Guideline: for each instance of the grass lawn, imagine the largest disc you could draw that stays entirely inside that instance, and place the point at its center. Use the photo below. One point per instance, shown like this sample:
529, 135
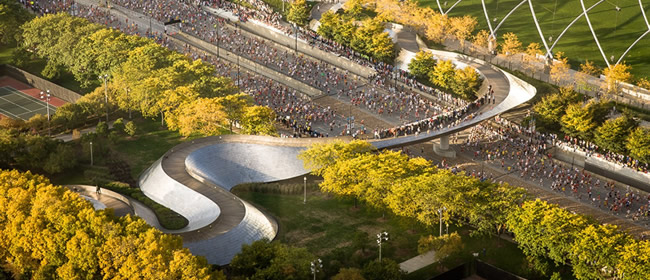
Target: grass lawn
328, 227
615, 32
5, 54
150, 143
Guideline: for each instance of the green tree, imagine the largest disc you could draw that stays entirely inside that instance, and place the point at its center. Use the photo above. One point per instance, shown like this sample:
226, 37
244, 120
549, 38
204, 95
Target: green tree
552, 107
345, 32
256, 256
320, 156
466, 83
118, 125
382, 47
61, 159
387, 269
361, 240
204, 116
443, 245
130, 128
348, 274
443, 74
12, 16
638, 144
265, 260
422, 64
544, 230
612, 133
595, 254
101, 129
353, 8
258, 120
299, 12
329, 22
634, 260
581, 120
234, 106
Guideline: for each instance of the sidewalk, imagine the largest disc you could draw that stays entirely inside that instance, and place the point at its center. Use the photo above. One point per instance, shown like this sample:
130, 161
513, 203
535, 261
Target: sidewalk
418, 262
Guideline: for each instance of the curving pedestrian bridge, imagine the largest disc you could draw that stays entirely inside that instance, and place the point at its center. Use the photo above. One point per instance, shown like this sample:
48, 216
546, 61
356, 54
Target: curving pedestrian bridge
195, 177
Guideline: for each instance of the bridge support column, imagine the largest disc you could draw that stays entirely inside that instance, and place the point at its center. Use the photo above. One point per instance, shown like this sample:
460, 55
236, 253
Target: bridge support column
443, 149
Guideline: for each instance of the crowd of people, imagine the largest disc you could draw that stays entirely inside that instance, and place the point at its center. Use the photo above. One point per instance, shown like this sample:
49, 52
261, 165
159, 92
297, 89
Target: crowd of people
524, 152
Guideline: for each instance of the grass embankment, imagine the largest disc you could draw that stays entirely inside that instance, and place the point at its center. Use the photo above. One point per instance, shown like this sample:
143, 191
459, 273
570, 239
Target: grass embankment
616, 31
330, 229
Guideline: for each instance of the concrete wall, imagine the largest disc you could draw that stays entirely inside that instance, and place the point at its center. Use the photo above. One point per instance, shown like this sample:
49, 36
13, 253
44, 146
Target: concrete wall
290, 42
602, 167
39, 83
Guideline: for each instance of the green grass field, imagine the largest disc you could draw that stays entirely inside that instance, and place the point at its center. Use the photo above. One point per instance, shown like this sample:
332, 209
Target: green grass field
327, 226
615, 32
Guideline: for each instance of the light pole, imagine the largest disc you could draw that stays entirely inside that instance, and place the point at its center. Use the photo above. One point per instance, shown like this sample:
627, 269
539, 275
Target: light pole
304, 200
105, 78
440, 215
91, 153
296, 26
316, 267
382, 236
46, 97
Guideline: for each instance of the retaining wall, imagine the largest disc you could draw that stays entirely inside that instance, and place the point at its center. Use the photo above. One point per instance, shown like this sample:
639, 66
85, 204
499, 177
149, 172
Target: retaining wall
39, 83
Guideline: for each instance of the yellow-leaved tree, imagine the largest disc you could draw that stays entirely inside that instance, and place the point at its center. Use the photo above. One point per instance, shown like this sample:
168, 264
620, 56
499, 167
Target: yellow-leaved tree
462, 28
614, 76
50, 232
560, 69
511, 44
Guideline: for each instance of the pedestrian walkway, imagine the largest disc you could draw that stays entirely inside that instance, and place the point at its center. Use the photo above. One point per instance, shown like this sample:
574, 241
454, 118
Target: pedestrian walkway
120, 204
418, 262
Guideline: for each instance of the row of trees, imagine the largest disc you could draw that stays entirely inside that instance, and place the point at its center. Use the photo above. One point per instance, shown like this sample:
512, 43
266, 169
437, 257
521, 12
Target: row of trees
142, 76
550, 235
367, 38
435, 26
464, 82
49, 232
273, 260
19, 148
410, 187
588, 121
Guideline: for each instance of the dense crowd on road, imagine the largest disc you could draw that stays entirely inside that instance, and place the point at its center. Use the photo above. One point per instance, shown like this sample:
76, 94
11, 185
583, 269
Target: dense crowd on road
524, 152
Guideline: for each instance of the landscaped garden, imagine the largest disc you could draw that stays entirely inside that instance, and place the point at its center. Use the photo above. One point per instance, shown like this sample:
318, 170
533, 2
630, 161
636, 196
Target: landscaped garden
344, 235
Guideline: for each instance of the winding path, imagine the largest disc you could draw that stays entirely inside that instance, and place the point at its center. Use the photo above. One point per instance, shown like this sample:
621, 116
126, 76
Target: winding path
195, 177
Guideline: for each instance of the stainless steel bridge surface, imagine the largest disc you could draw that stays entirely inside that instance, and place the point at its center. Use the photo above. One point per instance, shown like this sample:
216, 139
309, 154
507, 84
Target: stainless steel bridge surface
195, 178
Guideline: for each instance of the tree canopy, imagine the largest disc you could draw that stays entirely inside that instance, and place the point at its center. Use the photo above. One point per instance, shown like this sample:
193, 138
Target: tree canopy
422, 64
49, 232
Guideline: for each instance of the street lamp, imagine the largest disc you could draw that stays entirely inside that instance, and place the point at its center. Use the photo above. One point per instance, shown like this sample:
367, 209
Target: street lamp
440, 210
46, 97
295, 25
105, 78
382, 236
316, 267
91, 153
304, 200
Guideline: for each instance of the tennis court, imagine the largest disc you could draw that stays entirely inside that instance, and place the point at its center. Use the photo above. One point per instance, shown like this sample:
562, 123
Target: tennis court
18, 105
